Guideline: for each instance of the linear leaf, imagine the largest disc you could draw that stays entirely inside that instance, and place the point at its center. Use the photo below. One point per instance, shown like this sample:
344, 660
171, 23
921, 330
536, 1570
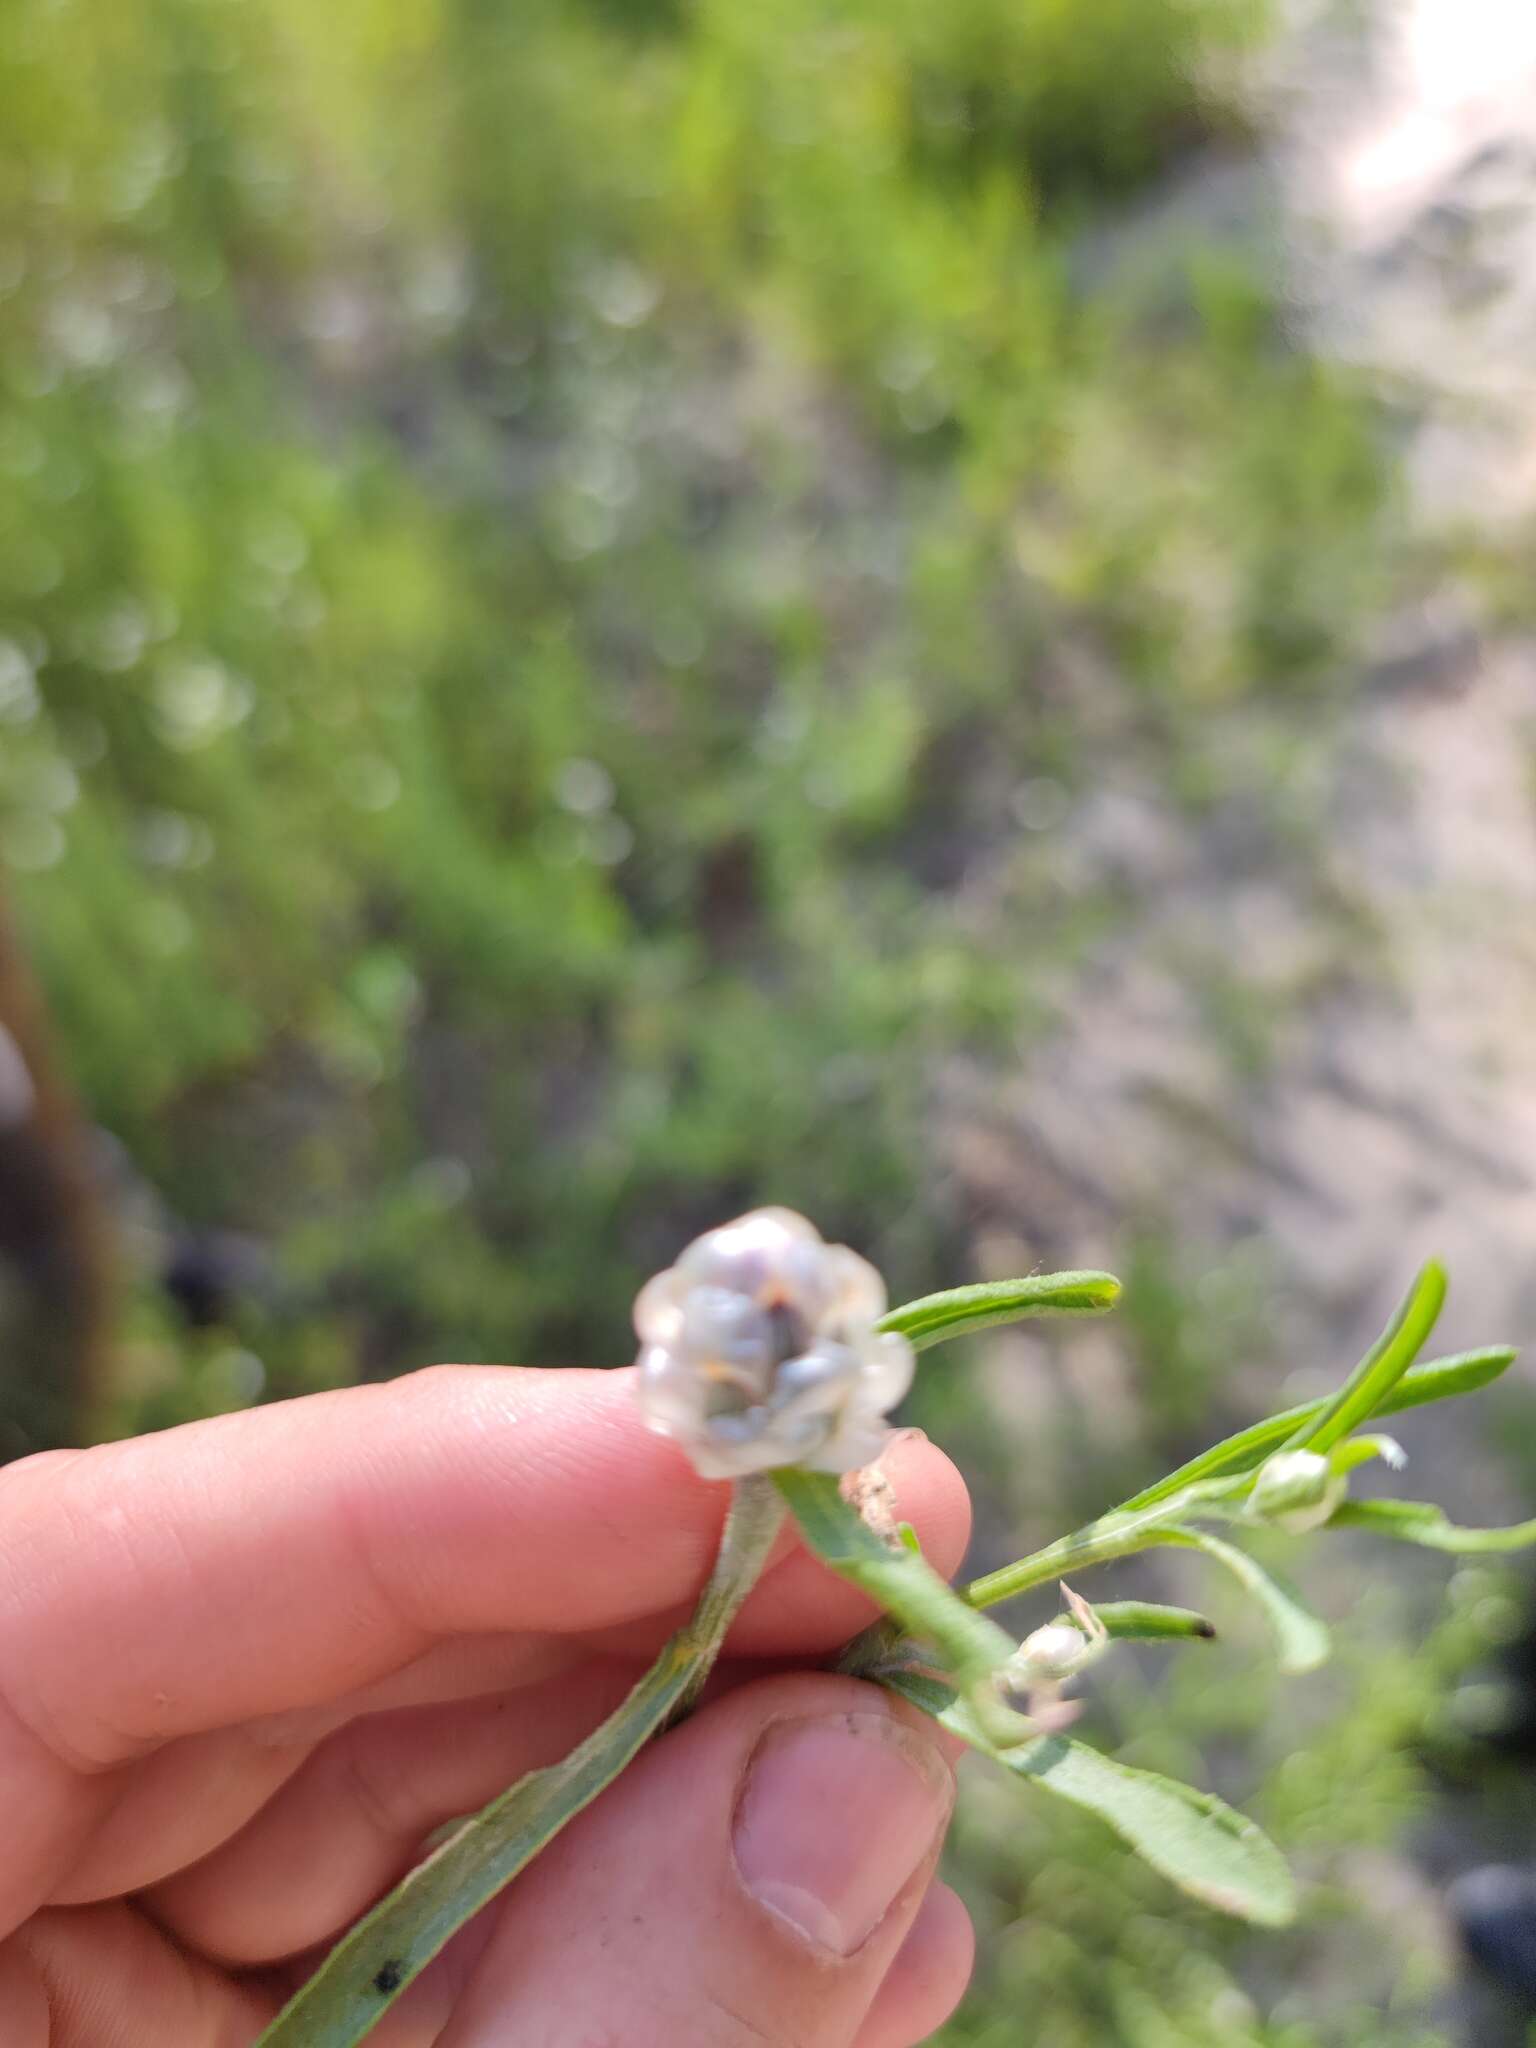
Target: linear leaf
1136, 1621
372, 1964
1413, 1521
1438, 1379
933, 1318
1383, 1365
1301, 1638
906, 1586
1194, 1839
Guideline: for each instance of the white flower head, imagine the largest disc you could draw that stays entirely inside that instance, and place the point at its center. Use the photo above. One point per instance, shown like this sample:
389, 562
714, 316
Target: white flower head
759, 1349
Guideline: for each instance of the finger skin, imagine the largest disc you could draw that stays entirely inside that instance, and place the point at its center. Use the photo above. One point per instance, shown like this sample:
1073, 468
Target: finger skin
161, 1814
635, 1926
194, 1797
114, 1985
268, 1561
352, 1822
104, 1977
183, 1620
928, 1978
110, 1980
23, 2000
348, 1825
177, 1610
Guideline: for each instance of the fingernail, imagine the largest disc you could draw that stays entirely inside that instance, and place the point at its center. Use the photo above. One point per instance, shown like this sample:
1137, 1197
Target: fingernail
836, 1818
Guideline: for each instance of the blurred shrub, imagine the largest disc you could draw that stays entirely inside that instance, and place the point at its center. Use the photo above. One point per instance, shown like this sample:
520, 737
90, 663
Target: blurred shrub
479, 689
1081, 1949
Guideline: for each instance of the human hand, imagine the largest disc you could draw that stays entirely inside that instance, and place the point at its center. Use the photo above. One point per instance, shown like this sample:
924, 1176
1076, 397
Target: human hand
247, 1666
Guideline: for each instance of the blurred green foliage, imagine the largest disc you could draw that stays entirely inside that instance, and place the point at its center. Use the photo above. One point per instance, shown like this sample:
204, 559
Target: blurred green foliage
1077, 1937
539, 551
564, 571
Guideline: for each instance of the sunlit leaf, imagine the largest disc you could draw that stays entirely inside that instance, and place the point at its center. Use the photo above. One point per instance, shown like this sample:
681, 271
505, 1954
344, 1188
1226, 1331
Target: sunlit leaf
1137, 1621
1412, 1521
1438, 1379
1200, 1844
373, 1964
958, 1310
1383, 1365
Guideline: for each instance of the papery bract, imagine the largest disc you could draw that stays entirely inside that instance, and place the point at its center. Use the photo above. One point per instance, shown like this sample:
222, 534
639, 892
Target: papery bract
759, 1349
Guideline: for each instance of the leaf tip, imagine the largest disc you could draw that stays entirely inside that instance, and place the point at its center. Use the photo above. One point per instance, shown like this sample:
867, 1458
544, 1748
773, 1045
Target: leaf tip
1434, 1279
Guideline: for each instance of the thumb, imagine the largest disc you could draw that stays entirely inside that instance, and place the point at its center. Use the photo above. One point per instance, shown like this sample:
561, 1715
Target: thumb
750, 1879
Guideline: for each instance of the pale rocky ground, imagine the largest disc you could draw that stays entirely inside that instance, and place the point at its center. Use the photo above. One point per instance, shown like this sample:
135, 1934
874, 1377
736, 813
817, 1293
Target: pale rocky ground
1396, 1113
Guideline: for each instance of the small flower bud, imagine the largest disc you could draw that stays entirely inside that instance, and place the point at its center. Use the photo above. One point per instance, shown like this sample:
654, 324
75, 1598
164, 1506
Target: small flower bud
1053, 1653
760, 1349
1297, 1491
1045, 1660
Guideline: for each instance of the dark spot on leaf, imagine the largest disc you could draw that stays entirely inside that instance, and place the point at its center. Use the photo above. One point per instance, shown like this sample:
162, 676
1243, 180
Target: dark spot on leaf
388, 1978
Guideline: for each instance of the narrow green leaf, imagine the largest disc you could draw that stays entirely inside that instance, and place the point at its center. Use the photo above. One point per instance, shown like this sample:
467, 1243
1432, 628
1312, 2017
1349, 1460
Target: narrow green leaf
1438, 1379
1192, 1838
1413, 1521
967, 1644
958, 1310
1301, 1638
1361, 1450
1135, 1621
931, 1694
371, 1966
360, 1978
1383, 1365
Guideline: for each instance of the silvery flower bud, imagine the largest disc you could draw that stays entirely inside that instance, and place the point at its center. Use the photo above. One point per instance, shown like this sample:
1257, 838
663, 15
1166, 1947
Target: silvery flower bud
1048, 1656
759, 1349
1297, 1491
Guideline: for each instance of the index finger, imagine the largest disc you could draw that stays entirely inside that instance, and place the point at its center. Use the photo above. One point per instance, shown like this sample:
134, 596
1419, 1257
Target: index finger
274, 1560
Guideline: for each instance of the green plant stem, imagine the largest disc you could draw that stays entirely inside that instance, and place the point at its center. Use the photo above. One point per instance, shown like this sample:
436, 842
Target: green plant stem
1302, 1640
914, 1596
370, 1966
1114, 1535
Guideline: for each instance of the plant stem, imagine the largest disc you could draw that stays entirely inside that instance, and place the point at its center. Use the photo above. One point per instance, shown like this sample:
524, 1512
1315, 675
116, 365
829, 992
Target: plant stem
370, 1966
1115, 1535
1112, 1536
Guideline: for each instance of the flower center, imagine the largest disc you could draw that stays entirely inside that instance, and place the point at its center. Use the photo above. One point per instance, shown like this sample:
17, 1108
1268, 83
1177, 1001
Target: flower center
789, 1333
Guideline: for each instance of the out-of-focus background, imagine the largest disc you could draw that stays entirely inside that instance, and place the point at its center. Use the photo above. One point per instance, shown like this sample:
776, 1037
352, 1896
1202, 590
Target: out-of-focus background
614, 609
